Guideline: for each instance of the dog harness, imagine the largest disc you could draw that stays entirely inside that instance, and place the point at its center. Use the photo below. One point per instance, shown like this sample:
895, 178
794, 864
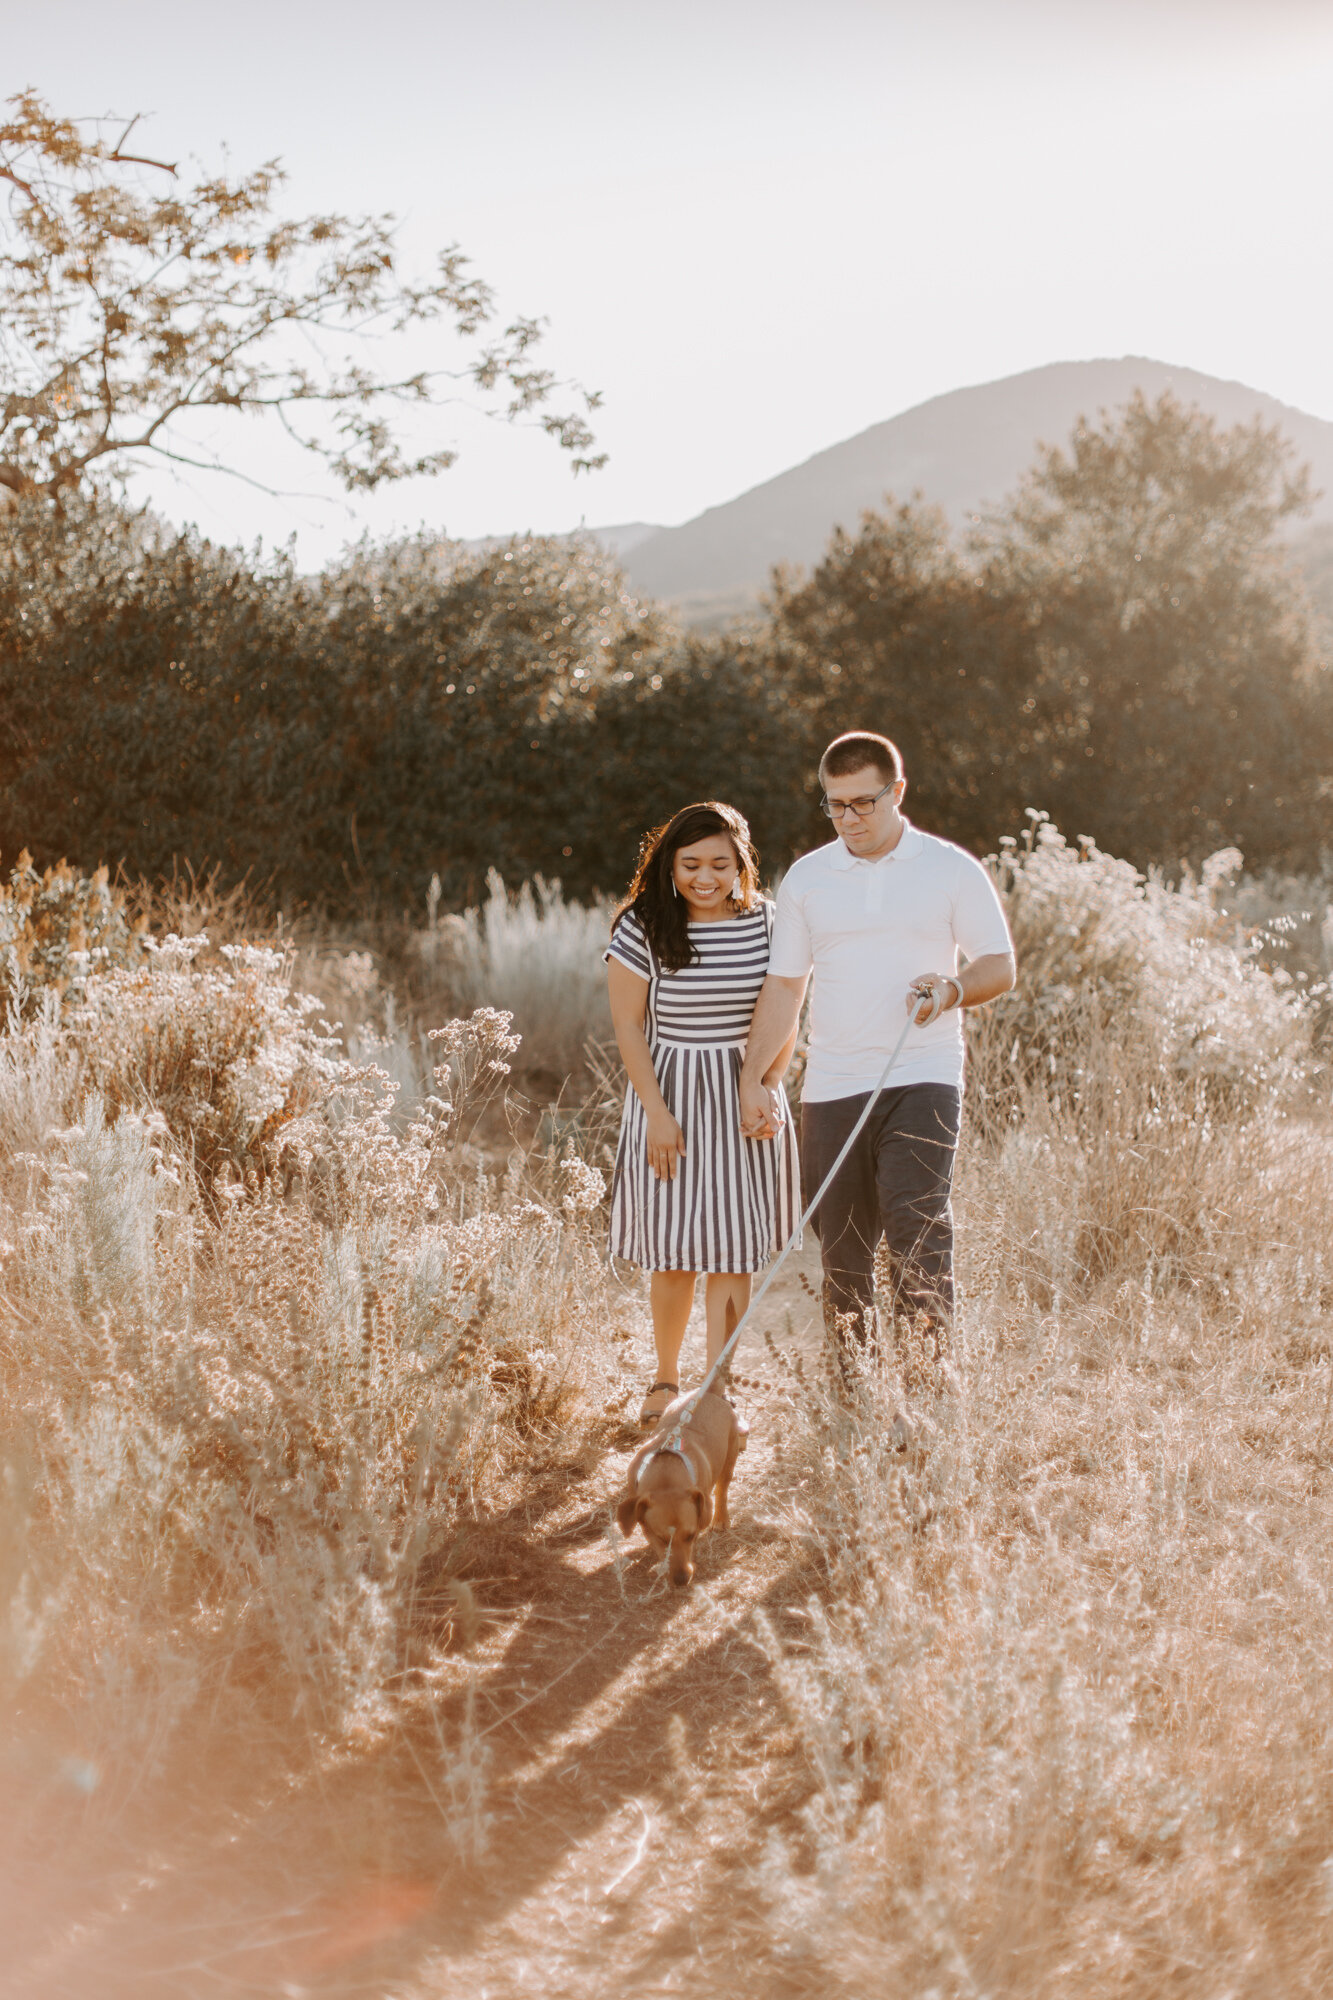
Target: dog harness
672, 1446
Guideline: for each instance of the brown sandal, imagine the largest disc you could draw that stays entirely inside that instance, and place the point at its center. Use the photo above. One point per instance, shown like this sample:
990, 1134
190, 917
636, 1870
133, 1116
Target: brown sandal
647, 1416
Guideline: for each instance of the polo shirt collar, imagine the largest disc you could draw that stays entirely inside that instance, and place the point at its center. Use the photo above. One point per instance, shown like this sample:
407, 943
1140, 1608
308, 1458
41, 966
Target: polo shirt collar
908, 847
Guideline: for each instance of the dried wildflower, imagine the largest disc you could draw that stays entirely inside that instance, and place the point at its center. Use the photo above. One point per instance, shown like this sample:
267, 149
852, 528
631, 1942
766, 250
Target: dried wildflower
584, 1186
56, 929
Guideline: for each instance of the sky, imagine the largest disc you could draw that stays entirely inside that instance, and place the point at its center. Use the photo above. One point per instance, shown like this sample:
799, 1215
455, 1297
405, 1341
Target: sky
756, 226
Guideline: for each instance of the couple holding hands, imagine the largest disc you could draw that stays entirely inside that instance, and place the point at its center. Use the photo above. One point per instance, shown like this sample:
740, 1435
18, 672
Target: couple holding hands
707, 979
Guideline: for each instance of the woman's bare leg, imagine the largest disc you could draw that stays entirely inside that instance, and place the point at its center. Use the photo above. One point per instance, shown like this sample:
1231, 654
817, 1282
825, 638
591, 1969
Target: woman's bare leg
721, 1287
671, 1295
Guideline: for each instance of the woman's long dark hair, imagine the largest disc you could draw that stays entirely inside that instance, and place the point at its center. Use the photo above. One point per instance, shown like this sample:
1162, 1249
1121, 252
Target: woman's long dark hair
652, 893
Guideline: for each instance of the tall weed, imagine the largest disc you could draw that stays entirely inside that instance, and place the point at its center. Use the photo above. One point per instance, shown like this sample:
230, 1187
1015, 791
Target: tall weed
223, 1052
56, 928
535, 955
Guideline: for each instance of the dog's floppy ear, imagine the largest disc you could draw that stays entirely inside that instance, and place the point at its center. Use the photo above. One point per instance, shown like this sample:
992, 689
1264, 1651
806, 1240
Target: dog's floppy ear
704, 1505
630, 1512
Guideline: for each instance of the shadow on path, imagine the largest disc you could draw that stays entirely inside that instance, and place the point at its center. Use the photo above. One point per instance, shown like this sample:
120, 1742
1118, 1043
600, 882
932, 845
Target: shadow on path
612, 1713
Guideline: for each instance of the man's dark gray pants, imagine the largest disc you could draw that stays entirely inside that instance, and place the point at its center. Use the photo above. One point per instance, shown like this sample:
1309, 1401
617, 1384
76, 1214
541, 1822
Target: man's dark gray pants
896, 1182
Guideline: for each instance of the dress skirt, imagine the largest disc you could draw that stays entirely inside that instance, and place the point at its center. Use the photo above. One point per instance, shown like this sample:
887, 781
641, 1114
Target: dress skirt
734, 1201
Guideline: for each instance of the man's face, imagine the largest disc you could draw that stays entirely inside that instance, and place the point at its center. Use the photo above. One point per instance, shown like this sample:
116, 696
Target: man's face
864, 829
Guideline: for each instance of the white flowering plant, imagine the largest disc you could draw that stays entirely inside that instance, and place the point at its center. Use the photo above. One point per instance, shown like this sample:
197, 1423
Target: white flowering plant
1112, 959
225, 1052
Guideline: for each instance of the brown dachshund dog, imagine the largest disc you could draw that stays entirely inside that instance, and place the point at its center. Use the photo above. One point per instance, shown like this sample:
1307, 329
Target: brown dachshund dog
669, 1489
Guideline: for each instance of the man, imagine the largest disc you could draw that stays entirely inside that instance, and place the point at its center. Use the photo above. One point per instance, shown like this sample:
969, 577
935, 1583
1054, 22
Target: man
880, 916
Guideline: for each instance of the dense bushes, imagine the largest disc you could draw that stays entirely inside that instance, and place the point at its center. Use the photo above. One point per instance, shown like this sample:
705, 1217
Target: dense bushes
1122, 647
135, 676
345, 736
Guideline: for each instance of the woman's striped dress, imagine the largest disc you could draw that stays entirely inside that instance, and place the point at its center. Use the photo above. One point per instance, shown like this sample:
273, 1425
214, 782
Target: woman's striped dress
734, 1201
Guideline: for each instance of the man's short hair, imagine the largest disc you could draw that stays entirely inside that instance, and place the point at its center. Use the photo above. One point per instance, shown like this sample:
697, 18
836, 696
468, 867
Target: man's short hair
855, 750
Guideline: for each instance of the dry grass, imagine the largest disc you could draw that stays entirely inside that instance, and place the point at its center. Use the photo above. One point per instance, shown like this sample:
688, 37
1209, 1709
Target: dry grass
1065, 1696
261, 1357
1065, 1699
307, 1411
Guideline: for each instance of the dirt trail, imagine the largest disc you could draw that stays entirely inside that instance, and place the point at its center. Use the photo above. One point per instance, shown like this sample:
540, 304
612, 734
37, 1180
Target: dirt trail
637, 1765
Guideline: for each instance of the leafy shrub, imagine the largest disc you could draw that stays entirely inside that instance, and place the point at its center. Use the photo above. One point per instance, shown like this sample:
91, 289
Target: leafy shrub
150, 693
713, 719
445, 677
343, 736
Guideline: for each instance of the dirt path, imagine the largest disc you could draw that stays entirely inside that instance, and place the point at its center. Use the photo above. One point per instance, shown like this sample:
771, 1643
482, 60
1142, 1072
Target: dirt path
636, 1762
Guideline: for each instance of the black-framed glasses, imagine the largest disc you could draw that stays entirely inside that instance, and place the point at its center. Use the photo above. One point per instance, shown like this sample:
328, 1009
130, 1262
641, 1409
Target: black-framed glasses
835, 808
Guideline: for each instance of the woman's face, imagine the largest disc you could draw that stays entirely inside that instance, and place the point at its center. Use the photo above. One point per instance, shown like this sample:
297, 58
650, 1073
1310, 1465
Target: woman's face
705, 874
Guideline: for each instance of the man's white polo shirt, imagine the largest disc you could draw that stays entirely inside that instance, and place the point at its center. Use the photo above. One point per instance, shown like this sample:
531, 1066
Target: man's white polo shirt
867, 929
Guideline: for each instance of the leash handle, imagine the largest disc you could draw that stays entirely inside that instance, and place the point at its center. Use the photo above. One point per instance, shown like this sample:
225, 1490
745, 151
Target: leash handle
697, 1394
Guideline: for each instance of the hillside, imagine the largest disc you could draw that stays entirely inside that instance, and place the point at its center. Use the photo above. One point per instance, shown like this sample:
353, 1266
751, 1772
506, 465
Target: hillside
964, 451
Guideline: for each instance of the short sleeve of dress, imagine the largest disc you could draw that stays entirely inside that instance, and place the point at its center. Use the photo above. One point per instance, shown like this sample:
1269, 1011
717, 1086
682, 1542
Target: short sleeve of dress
629, 946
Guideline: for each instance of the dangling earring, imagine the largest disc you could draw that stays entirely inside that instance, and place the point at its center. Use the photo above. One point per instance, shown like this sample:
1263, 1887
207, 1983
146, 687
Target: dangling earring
675, 890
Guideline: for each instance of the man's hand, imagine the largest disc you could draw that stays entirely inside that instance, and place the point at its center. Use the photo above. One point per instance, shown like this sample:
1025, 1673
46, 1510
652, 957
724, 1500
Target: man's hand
666, 1144
760, 1116
935, 992
982, 979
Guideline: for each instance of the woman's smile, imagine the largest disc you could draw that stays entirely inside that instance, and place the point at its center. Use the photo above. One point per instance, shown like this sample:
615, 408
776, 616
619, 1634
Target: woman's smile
701, 896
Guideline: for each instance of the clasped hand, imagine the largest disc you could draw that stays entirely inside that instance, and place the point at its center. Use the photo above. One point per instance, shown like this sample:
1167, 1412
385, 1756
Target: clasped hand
761, 1110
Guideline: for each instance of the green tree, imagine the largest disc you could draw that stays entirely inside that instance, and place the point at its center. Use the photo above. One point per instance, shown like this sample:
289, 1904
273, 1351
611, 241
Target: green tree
419, 708
456, 691
694, 718
895, 632
131, 302
1171, 645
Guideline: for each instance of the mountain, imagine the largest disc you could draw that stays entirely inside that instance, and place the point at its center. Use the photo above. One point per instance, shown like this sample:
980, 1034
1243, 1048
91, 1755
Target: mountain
617, 540
624, 536
964, 451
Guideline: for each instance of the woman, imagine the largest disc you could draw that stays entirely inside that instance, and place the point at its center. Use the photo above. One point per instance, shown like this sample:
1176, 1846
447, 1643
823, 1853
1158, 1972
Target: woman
689, 950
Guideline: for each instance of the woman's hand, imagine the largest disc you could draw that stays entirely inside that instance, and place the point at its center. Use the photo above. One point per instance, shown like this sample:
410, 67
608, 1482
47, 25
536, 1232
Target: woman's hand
666, 1144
